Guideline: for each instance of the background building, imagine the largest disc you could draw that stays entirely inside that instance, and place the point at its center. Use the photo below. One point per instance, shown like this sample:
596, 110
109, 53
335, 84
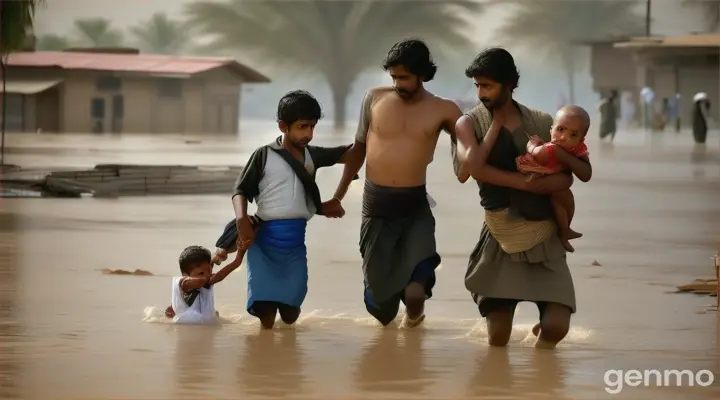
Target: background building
122, 91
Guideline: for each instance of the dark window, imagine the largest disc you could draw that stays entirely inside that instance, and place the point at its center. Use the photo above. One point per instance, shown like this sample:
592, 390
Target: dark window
14, 109
118, 105
108, 84
169, 87
97, 108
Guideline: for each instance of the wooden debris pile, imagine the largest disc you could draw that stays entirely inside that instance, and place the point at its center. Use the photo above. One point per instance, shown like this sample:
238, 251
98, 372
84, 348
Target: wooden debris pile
709, 287
122, 180
137, 272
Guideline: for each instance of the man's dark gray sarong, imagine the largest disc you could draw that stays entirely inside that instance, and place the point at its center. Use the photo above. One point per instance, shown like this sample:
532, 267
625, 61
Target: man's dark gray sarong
397, 244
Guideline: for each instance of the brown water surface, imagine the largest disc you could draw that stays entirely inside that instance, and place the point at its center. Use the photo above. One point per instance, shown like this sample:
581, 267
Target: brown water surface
651, 218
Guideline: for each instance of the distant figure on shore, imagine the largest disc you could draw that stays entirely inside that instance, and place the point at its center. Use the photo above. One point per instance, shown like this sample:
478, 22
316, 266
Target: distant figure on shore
398, 132
701, 117
647, 95
519, 256
627, 110
674, 112
608, 110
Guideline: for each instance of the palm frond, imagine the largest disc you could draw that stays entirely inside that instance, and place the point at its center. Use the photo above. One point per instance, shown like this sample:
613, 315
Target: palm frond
161, 35
335, 39
711, 12
52, 42
554, 25
15, 23
326, 34
96, 32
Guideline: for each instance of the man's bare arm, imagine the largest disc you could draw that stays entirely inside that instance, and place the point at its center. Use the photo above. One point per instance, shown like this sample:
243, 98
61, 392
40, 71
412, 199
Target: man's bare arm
355, 157
465, 131
240, 205
451, 115
468, 147
353, 160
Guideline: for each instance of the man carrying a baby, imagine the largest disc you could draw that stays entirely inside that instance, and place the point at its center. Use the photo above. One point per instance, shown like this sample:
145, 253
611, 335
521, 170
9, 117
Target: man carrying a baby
519, 256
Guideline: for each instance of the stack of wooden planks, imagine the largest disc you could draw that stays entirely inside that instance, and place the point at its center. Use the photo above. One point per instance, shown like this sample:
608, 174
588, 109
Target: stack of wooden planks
709, 287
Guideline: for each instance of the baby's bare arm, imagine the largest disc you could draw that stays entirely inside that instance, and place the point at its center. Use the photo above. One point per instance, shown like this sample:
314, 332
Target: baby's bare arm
540, 153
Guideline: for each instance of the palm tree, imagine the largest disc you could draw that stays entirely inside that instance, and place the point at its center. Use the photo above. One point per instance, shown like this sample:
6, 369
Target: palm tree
161, 35
554, 27
96, 32
711, 11
52, 42
337, 39
16, 21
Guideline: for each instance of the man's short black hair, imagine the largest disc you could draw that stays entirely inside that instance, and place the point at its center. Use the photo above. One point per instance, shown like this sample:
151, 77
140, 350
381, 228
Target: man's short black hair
298, 105
497, 64
193, 255
414, 55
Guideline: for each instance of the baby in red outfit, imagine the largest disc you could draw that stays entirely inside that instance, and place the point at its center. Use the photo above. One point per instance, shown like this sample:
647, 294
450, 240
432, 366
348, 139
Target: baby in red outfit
568, 131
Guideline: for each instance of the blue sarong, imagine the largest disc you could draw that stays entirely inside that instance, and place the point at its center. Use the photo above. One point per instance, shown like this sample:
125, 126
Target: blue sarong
277, 263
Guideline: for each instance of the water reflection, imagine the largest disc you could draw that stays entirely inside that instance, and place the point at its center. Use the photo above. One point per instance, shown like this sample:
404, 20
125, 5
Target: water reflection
393, 361
194, 365
547, 376
10, 329
542, 376
272, 364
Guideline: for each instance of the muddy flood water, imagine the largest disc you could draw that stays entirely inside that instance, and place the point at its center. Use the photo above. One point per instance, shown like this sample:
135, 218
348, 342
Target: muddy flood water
651, 219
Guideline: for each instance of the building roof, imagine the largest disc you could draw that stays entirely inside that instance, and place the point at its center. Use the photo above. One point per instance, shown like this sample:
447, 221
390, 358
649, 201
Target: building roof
29, 86
140, 63
695, 40
602, 40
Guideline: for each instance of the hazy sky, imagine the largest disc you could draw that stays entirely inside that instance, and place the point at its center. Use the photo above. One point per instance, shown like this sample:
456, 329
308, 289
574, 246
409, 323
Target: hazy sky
540, 84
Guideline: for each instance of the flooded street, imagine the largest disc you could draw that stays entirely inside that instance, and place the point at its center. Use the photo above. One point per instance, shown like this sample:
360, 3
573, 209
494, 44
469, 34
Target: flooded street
650, 218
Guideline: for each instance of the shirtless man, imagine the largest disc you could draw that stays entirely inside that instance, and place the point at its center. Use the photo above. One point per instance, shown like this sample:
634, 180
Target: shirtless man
398, 132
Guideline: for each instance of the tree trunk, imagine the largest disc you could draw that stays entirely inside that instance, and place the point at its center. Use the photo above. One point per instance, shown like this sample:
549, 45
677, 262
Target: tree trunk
340, 91
571, 86
569, 66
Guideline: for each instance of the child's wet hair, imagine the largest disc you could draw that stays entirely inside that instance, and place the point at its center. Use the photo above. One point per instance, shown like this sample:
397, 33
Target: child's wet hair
298, 105
193, 255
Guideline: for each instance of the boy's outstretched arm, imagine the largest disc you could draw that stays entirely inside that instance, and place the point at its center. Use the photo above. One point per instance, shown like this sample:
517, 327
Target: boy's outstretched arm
188, 284
226, 270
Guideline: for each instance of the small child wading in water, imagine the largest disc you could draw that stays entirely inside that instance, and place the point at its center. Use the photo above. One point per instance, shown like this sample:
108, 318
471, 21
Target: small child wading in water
192, 296
568, 132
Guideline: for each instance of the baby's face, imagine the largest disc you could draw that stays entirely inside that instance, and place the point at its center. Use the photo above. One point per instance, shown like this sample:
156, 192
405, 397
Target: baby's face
568, 131
201, 270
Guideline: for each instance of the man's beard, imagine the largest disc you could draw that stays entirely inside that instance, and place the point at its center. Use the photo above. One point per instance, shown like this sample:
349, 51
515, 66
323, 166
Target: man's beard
405, 94
498, 102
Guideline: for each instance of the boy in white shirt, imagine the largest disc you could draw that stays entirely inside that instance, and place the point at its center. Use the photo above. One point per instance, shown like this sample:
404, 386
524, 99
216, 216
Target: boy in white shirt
192, 299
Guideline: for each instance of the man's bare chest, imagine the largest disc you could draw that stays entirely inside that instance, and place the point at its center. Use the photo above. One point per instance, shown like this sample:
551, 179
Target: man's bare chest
412, 123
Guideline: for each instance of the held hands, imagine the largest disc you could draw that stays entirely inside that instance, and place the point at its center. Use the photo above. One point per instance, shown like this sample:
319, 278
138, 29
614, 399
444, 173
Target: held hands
220, 256
246, 233
333, 208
